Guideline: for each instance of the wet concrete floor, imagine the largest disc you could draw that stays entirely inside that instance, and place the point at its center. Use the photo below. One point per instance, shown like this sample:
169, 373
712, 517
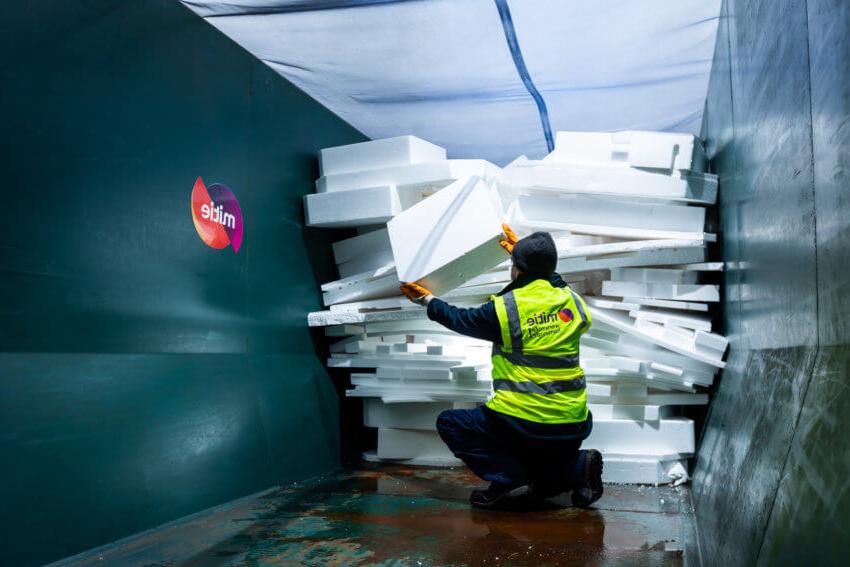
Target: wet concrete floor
399, 516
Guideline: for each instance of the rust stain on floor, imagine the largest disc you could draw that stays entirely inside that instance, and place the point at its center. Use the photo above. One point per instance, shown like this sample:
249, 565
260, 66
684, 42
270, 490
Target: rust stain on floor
399, 516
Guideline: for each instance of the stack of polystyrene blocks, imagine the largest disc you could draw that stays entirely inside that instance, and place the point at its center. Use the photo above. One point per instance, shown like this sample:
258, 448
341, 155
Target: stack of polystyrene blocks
627, 211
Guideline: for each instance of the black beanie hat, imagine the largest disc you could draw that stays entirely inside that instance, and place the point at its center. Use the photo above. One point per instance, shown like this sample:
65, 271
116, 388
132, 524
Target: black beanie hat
536, 254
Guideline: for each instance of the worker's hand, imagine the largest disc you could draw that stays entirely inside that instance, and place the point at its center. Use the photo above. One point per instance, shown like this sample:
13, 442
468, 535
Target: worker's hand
416, 293
509, 240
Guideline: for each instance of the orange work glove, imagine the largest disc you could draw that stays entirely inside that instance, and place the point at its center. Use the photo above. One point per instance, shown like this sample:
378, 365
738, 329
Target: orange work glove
416, 293
509, 240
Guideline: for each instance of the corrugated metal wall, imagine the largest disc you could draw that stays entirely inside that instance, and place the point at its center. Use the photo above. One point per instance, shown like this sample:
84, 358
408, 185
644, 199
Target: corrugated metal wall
143, 375
772, 475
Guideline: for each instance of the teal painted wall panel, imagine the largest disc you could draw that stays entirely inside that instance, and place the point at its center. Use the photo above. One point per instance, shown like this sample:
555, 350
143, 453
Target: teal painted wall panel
143, 375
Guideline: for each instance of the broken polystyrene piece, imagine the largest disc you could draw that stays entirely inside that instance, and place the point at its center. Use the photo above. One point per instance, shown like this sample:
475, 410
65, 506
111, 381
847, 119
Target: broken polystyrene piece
427, 176
654, 275
632, 148
422, 416
449, 238
542, 176
376, 154
591, 214
677, 292
374, 205
628, 437
645, 469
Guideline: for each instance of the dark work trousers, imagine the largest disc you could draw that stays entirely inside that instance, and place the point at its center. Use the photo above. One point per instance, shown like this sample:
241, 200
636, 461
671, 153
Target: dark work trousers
499, 449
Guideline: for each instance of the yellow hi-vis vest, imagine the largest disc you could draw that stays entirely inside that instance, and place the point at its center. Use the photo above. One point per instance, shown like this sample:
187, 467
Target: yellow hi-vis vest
536, 372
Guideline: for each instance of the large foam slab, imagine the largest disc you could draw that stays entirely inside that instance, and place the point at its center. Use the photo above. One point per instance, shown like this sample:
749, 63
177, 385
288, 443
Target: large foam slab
450, 237
538, 176
588, 214
652, 150
628, 437
409, 444
377, 154
347, 209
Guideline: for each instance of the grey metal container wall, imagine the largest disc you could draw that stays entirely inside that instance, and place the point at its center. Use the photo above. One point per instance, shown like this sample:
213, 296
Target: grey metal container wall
772, 474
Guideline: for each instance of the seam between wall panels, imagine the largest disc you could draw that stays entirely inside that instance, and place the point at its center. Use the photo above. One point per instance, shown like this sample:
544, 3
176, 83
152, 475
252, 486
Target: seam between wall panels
522, 70
817, 350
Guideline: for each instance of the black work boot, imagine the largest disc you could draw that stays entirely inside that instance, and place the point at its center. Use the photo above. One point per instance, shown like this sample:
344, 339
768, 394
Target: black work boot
589, 489
499, 496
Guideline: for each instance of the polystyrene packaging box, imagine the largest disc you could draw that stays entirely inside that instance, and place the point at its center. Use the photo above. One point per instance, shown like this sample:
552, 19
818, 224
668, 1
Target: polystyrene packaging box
375, 154
450, 237
653, 150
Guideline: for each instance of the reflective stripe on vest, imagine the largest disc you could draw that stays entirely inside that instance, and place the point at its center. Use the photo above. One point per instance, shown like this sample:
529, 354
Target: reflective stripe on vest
536, 360
529, 387
536, 371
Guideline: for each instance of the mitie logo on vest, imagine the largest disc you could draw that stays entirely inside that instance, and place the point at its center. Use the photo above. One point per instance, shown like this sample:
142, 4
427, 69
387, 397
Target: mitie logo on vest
217, 215
547, 323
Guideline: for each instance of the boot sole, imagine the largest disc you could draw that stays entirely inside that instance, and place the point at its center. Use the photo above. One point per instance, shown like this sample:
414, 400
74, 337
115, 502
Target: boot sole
593, 469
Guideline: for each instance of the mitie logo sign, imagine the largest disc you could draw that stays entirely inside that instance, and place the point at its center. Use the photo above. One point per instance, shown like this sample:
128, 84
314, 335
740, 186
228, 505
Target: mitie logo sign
217, 216
544, 324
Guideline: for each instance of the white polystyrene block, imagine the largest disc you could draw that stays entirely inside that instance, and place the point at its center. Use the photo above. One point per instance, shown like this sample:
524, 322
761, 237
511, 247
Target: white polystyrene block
631, 412
666, 303
383, 286
395, 303
590, 214
450, 237
404, 416
326, 318
647, 469
652, 150
377, 154
343, 330
427, 176
637, 253
362, 244
678, 292
628, 437
654, 275
537, 176
374, 205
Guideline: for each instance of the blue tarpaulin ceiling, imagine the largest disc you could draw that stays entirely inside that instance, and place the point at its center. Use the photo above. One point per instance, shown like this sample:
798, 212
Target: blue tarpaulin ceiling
486, 78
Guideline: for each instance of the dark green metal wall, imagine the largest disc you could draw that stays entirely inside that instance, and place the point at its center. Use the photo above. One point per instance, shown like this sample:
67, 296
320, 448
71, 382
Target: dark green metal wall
143, 375
771, 480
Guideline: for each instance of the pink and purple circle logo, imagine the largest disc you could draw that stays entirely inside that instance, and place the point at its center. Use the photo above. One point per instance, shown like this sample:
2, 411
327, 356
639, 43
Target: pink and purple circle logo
217, 215
565, 315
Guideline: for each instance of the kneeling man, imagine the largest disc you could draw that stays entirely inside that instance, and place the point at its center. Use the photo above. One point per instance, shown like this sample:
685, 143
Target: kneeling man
525, 440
